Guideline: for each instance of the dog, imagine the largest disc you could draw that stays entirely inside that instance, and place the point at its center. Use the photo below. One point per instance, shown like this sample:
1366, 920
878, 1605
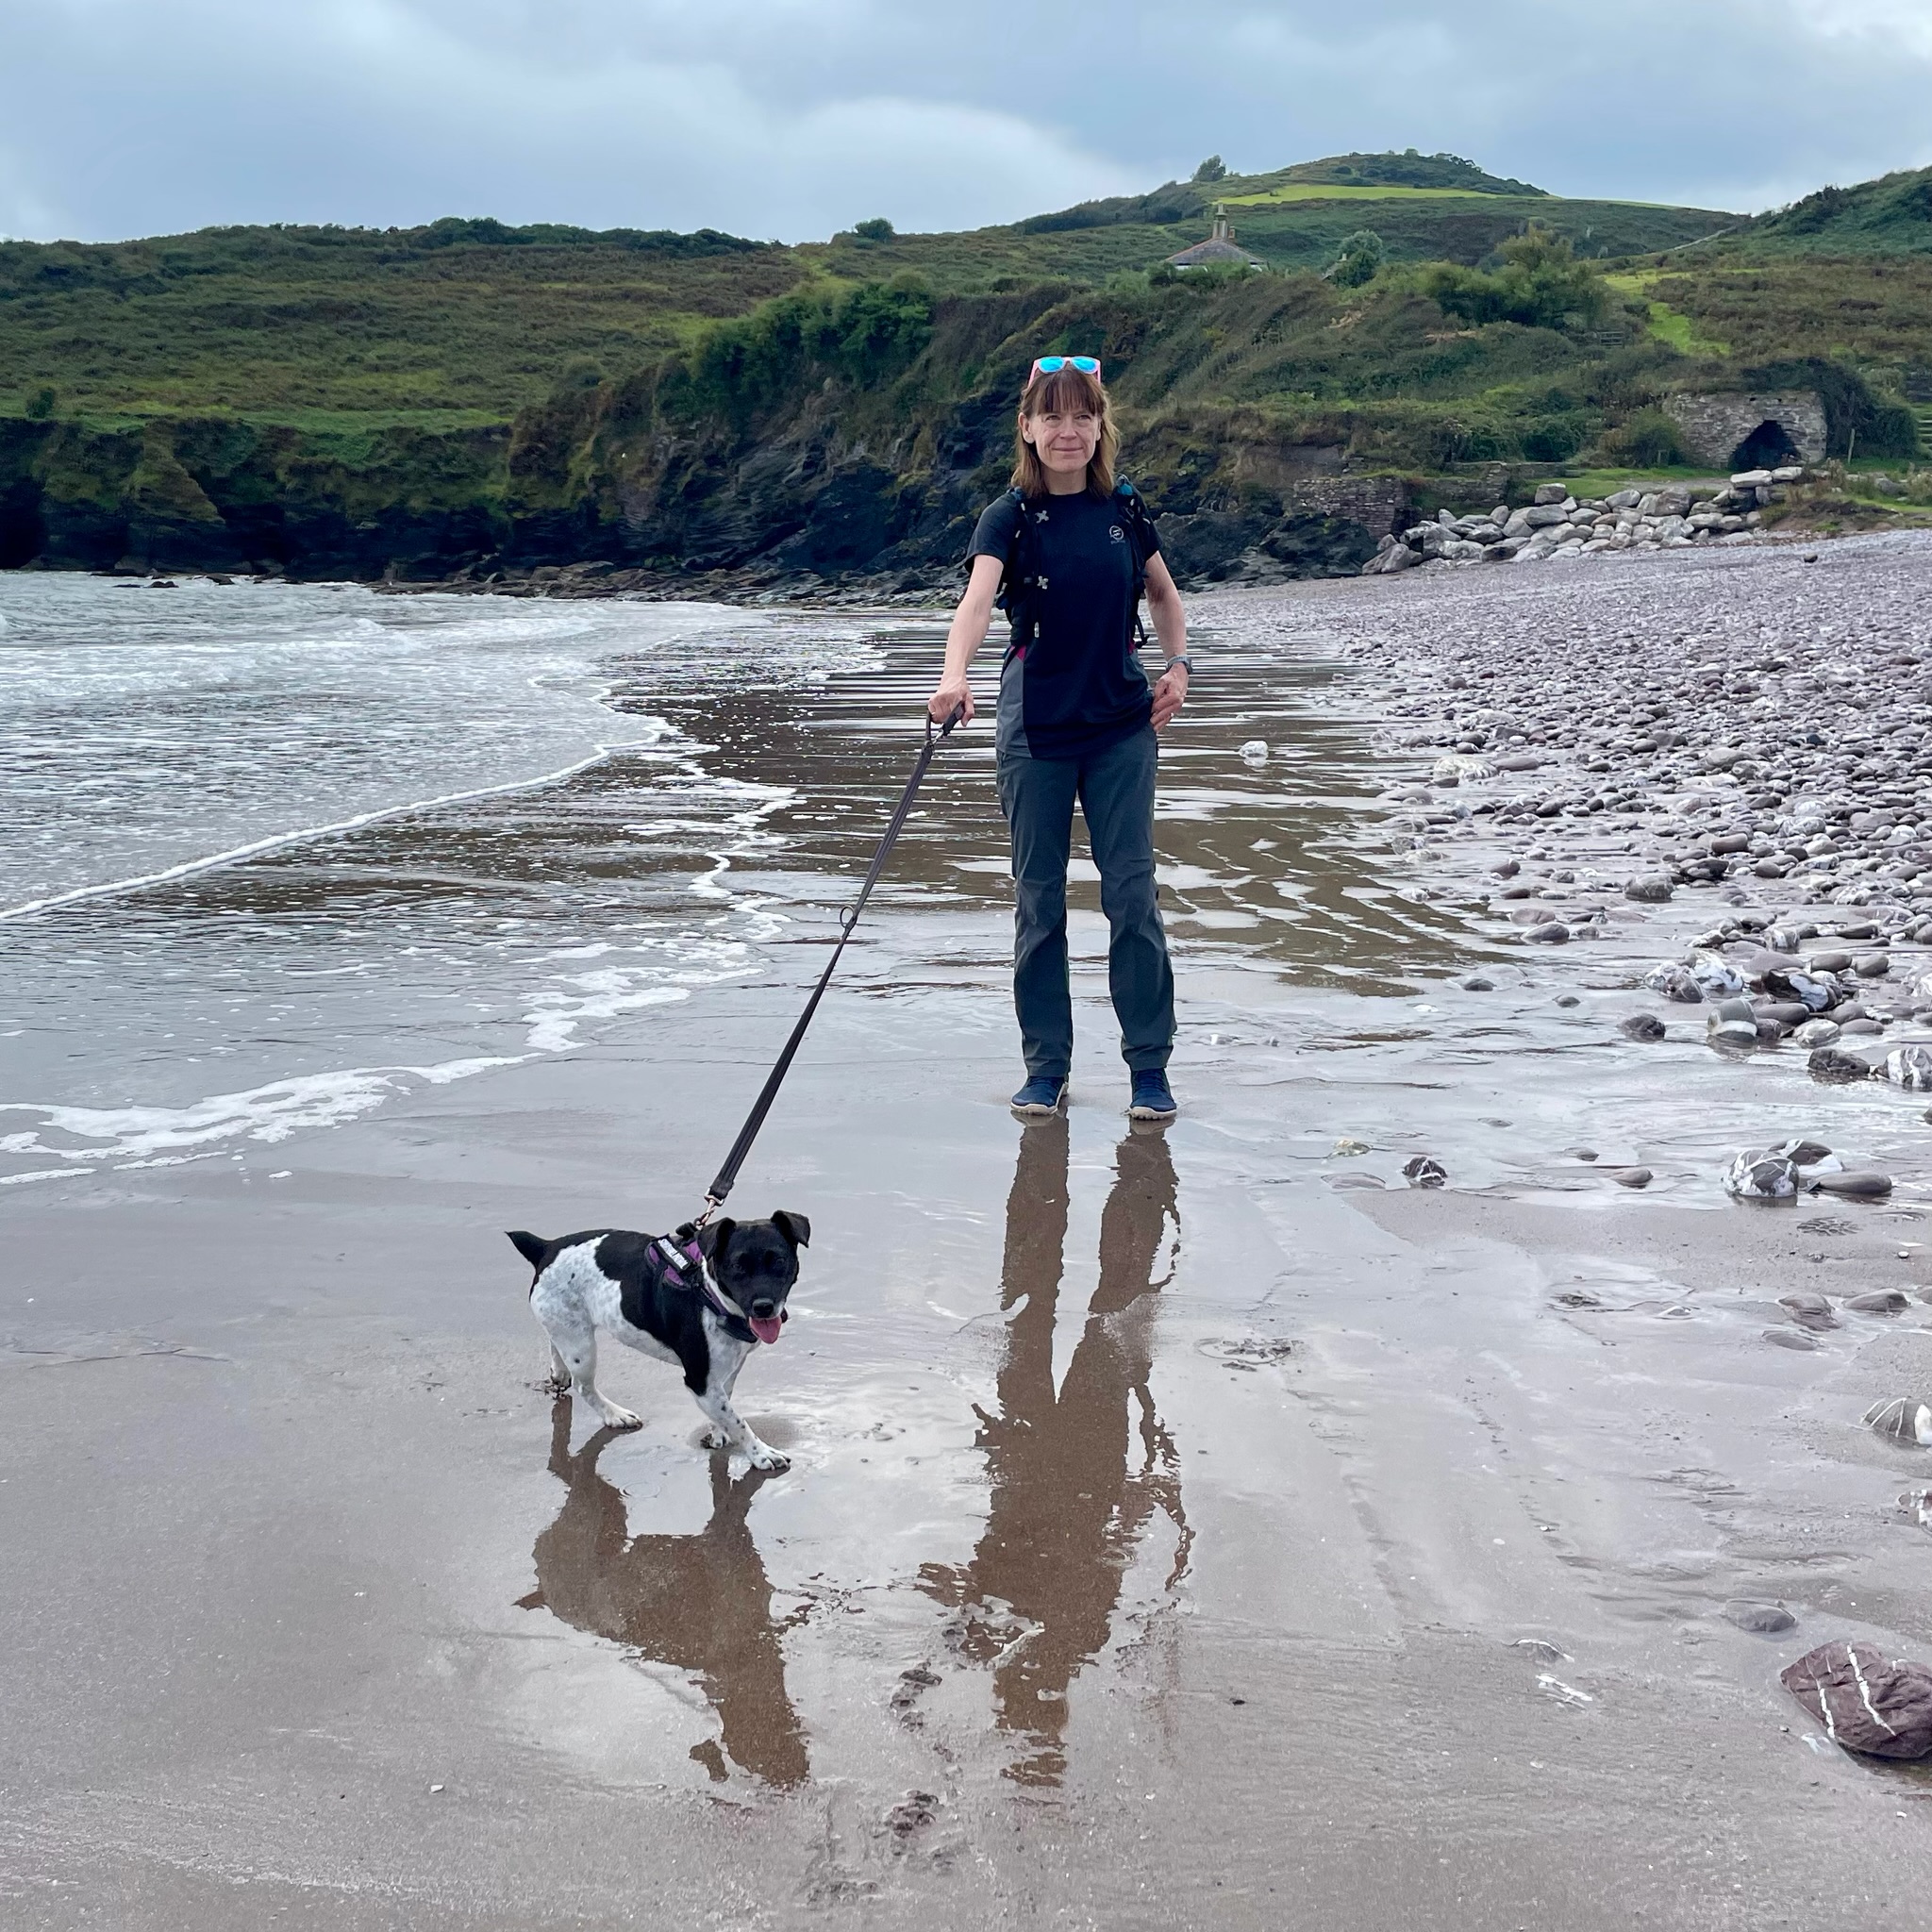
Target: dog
703, 1300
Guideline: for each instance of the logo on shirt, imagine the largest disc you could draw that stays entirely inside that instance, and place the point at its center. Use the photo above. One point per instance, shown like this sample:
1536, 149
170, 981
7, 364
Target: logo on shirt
1119, 534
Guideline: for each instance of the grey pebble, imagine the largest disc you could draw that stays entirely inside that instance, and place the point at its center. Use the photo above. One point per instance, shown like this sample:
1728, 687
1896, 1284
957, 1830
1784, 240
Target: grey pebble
1641, 1026
1760, 1619
1881, 1301
1631, 1176
1809, 1310
1790, 1337
1833, 1067
1857, 1187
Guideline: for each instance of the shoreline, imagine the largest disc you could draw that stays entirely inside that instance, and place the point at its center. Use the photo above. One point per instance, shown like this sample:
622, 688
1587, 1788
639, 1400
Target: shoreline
926, 589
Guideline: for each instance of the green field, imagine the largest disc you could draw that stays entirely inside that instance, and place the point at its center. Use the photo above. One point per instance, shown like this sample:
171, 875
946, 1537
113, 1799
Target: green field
1328, 190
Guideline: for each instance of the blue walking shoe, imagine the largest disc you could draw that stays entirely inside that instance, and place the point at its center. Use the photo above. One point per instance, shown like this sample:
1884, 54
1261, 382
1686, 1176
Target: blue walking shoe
1153, 1098
1041, 1097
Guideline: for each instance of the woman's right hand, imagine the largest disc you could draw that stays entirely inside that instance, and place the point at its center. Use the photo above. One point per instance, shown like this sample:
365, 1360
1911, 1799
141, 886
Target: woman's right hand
953, 693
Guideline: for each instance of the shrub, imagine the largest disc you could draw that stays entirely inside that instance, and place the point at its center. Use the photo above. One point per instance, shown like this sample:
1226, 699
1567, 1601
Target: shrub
1649, 440
1360, 258
40, 406
1541, 284
868, 335
1212, 169
878, 229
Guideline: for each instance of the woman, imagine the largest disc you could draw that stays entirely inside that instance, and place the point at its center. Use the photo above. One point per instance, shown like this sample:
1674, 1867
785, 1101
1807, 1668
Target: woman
1076, 718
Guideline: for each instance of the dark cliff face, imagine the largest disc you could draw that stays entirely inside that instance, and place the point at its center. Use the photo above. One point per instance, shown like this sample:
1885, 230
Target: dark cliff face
833, 440
213, 493
813, 504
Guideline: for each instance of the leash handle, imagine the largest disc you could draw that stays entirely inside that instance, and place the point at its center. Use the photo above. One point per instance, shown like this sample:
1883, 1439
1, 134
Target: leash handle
716, 1194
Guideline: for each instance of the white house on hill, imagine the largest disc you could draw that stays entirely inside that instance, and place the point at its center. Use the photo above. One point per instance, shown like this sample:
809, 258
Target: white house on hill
1218, 249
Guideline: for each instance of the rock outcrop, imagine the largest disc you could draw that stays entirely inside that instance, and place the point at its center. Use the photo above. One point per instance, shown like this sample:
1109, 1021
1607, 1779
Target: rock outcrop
1561, 526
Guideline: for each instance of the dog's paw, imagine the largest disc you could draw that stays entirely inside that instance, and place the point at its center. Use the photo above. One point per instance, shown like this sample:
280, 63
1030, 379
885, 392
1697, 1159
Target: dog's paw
615, 1418
714, 1439
555, 1387
764, 1456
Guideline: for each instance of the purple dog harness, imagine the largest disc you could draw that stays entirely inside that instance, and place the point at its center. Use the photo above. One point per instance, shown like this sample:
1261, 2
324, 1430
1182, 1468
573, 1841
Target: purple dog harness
681, 1263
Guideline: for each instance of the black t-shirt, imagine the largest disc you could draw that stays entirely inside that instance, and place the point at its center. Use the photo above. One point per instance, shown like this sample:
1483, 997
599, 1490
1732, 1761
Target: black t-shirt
1077, 687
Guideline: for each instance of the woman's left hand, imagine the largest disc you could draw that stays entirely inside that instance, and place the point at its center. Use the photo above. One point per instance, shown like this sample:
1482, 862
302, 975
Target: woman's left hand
1170, 694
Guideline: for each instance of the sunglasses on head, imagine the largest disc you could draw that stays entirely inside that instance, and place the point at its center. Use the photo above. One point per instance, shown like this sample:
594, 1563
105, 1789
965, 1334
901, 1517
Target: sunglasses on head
1050, 365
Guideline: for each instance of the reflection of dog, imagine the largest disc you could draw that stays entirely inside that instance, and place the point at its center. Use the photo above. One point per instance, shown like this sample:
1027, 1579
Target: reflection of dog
696, 1603
704, 1302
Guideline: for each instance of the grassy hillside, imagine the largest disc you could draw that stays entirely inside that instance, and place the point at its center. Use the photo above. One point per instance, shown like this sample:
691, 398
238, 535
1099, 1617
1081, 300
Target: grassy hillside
1099, 240
467, 396
1890, 216
464, 322
457, 324
1441, 173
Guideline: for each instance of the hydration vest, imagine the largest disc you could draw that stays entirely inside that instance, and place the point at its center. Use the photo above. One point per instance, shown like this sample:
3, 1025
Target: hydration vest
1021, 575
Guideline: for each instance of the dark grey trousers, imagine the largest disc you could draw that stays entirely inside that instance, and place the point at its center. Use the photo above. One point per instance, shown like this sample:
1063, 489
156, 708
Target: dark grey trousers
1115, 791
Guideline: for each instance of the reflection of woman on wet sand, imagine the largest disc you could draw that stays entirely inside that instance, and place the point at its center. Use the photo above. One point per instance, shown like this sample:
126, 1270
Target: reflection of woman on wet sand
1066, 1515
698, 1603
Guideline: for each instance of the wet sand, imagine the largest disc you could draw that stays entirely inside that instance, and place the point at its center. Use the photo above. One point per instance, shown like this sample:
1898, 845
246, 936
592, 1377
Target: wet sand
1185, 1528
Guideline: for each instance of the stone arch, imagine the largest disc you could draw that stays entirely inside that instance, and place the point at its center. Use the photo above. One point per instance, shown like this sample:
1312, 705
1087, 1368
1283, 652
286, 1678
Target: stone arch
1768, 446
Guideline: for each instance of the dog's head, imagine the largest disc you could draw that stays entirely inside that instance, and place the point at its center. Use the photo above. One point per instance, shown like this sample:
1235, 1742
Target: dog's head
756, 1262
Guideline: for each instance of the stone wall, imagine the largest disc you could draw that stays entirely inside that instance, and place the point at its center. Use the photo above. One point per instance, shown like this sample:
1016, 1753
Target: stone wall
1379, 504
1714, 424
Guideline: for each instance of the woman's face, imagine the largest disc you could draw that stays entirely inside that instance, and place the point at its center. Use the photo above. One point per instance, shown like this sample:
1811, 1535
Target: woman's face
1063, 440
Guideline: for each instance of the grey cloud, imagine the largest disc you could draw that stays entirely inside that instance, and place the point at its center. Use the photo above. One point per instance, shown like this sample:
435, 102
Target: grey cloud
783, 118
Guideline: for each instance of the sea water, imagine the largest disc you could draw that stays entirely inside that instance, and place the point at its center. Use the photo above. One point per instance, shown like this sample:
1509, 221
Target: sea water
276, 856
273, 853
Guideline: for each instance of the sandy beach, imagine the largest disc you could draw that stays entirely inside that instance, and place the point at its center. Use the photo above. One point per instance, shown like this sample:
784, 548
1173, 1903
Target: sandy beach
1188, 1528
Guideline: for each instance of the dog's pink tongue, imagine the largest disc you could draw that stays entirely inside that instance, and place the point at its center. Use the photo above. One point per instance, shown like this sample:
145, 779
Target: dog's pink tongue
764, 1326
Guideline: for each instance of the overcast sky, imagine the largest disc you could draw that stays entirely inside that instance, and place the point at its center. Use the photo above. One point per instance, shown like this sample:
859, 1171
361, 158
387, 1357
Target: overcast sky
789, 119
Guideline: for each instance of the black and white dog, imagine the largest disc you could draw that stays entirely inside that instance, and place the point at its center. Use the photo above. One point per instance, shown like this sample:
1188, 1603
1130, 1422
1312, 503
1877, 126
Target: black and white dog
702, 1301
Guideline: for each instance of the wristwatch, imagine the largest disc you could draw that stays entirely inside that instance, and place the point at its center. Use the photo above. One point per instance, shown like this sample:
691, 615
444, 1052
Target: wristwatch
1180, 658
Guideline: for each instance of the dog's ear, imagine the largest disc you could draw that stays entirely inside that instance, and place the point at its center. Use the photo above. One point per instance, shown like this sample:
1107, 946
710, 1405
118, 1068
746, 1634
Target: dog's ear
795, 1227
714, 1237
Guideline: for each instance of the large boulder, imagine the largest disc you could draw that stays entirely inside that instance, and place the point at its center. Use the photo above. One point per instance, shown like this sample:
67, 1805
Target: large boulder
1320, 547
1208, 546
1866, 1701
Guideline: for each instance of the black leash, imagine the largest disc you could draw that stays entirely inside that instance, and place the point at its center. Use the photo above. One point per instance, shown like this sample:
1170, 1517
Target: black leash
715, 1194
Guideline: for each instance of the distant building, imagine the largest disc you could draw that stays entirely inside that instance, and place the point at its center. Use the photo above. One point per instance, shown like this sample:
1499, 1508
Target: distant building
1218, 248
1726, 431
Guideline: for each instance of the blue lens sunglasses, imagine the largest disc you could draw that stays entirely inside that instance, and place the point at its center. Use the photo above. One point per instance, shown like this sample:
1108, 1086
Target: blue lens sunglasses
1048, 365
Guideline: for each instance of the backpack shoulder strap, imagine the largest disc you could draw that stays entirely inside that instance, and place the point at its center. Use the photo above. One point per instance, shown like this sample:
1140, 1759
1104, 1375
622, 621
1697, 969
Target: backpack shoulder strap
1131, 508
1016, 579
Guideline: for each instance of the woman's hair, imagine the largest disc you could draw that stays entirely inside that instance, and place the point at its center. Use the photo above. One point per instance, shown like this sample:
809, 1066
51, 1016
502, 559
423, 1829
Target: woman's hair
1066, 390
